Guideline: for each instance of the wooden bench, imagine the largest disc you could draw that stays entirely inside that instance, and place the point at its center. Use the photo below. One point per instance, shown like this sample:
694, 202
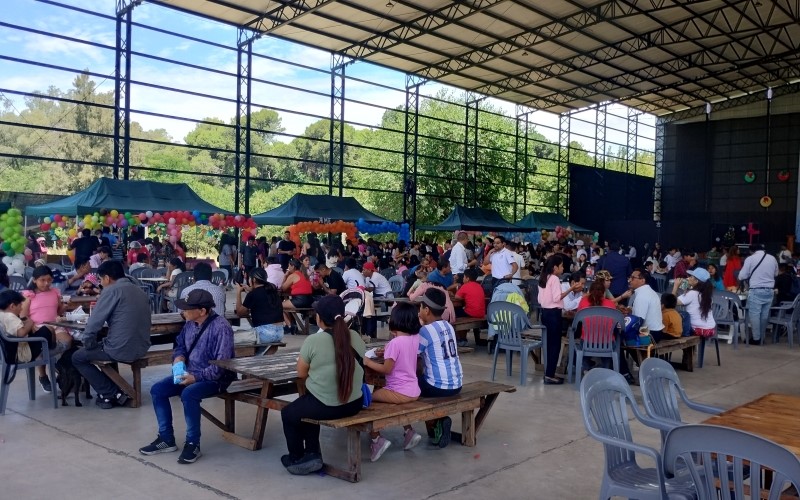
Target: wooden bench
686, 344
479, 396
302, 317
464, 325
161, 357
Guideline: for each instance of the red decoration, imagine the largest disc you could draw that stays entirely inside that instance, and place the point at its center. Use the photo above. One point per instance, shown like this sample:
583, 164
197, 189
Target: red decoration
783, 175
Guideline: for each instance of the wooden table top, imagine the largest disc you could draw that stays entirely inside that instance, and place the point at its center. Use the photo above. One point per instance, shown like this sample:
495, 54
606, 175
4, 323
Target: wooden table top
82, 299
391, 300
773, 416
156, 279
276, 368
161, 324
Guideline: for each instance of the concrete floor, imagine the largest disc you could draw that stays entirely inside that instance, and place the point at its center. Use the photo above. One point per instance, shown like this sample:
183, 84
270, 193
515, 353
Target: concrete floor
532, 445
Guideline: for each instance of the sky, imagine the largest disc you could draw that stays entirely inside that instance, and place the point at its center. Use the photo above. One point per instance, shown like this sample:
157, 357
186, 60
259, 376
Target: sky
295, 106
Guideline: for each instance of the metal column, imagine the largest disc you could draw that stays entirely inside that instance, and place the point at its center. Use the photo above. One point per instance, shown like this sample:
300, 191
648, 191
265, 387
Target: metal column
633, 134
336, 152
122, 89
521, 159
562, 182
659, 171
411, 153
471, 149
600, 159
244, 91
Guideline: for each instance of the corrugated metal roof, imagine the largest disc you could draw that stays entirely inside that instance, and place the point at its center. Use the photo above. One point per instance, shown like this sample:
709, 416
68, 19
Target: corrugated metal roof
659, 56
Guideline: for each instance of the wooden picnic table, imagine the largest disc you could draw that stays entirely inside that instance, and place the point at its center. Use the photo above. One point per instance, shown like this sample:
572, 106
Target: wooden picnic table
164, 326
773, 416
276, 375
269, 377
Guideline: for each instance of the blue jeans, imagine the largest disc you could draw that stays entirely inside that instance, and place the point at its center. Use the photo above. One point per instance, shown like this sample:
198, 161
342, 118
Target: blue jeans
191, 395
268, 334
759, 300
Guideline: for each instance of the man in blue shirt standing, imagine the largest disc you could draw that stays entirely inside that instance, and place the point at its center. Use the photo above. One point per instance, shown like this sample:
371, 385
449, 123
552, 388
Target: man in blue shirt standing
205, 336
618, 265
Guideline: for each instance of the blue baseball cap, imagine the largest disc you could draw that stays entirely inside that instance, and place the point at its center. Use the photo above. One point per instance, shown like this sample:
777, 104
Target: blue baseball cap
699, 273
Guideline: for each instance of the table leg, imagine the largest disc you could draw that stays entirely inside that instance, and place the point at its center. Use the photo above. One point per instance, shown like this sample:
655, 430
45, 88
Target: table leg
259, 427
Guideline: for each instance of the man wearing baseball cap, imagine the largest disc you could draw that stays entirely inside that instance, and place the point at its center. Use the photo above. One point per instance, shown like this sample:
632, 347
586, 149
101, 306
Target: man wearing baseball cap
205, 336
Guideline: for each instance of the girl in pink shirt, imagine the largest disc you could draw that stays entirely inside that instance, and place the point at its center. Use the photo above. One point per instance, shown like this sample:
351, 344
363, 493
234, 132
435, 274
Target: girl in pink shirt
551, 299
43, 304
400, 368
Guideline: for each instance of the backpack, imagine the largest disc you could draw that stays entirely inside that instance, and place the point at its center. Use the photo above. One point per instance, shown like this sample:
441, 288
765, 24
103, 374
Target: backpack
686, 321
630, 333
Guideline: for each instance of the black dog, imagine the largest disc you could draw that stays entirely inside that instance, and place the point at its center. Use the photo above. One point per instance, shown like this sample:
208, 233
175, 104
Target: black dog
69, 378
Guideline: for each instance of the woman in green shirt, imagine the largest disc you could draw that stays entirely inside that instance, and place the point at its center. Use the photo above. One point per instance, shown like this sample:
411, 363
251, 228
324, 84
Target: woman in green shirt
333, 381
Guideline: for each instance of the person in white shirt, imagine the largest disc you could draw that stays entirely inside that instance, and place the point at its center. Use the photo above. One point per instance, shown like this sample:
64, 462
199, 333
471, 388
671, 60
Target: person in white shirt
760, 268
374, 281
512, 248
784, 256
275, 274
458, 257
575, 287
503, 264
352, 276
672, 257
646, 302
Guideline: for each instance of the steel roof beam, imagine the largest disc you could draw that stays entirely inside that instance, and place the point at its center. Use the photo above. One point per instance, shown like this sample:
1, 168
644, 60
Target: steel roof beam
418, 26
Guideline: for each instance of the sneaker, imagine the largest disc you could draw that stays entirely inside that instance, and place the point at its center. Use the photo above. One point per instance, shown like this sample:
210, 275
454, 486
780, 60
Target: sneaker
463, 343
286, 460
410, 439
121, 398
444, 440
310, 462
190, 453
44, 381
436, 434
158, 446
104, 403
377, 447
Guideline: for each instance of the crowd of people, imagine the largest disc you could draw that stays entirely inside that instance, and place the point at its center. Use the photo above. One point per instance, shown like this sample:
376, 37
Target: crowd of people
444, 282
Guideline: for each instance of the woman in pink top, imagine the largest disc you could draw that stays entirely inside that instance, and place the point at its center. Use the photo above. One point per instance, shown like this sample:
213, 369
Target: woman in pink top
551, 299
400, 368
449, 313
43, 304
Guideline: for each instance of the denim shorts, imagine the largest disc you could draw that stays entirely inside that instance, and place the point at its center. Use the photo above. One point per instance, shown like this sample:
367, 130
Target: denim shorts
268, 334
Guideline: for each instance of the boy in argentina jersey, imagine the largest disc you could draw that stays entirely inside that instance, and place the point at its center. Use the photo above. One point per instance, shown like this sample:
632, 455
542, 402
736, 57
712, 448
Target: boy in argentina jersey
442, 374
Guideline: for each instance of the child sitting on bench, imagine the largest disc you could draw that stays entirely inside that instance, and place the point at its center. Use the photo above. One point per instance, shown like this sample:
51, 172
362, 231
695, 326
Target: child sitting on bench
400, 368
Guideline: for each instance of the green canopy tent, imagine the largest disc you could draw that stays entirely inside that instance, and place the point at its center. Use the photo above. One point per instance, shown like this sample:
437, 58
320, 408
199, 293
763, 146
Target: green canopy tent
126, 196
472, 219
313, 207
4, 206
542, 220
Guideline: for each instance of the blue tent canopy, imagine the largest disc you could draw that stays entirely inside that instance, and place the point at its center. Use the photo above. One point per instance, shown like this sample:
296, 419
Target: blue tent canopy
313, 207
473, 219
127, 196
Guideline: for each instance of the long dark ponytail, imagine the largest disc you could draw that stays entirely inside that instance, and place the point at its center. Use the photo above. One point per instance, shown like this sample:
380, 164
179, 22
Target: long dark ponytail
345, 360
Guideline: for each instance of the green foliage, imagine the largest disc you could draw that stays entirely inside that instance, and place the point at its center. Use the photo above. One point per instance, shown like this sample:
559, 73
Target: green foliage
497, 175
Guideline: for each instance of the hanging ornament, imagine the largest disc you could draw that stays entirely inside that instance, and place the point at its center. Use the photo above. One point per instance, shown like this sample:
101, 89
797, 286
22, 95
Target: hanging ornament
783, 175
766, 201
749, 176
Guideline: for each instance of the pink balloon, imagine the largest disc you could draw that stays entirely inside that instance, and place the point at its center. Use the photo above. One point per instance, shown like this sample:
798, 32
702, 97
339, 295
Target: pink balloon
173, 239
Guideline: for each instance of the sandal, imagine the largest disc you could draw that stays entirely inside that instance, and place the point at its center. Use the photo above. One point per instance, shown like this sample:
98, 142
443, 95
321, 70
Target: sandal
553, 381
